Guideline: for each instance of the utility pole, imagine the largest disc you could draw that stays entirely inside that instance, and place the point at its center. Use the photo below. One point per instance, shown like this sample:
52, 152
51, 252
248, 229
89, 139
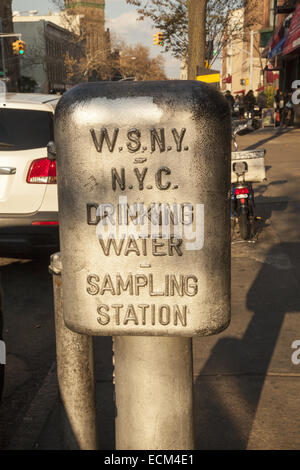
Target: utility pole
2, 51
251, 58
196, 36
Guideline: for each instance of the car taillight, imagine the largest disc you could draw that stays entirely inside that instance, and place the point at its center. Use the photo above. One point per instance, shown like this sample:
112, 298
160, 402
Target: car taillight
241, 191
44, 222
42, 170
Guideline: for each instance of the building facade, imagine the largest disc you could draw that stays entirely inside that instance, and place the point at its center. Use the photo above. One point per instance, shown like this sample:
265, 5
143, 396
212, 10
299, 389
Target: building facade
47, 42
92, 22
268, 14
11, 61
242, 65
283, 48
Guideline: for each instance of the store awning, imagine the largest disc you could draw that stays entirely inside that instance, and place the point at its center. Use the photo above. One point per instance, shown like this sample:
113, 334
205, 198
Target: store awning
274, 41
293, 37
277, 49
227, 79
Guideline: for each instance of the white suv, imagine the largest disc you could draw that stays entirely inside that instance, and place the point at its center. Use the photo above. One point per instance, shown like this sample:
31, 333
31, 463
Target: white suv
28, 190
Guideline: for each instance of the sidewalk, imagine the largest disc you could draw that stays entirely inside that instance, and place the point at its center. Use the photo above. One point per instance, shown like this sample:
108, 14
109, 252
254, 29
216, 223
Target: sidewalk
246, 386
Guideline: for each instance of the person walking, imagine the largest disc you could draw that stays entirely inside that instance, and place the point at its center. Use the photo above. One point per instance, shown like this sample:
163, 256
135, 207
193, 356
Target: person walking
261, 102
250, 102
288, 111
279, 107
241, 106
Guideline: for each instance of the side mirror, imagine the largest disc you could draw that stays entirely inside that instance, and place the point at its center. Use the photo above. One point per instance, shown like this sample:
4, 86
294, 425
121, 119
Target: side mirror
51, 150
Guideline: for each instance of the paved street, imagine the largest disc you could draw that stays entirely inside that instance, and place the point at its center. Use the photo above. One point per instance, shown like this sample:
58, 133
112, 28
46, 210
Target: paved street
246, 386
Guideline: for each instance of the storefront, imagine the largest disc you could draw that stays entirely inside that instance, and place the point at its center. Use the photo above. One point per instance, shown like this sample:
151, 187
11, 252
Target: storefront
283, 50
290, 57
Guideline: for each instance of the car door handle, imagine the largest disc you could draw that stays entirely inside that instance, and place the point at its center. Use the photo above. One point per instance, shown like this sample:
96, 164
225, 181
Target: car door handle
6, 170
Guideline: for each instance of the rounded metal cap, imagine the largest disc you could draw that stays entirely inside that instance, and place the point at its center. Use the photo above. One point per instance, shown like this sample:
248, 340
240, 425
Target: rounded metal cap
55, 264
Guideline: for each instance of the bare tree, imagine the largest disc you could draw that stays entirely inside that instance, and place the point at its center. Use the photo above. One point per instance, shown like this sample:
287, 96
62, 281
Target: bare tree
82, 62
194, 25
111, 58
101, 63
170, 17
135, 61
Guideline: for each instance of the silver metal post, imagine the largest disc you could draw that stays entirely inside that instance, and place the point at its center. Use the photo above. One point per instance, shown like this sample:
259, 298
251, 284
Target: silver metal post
75, 370
154, 393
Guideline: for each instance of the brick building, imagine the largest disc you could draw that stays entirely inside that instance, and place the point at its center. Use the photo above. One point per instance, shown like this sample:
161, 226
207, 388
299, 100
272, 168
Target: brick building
91, 23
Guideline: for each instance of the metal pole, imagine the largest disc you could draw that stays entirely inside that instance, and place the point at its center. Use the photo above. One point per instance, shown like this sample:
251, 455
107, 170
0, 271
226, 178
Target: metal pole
75, 370
154, 393
2, 51
251, 58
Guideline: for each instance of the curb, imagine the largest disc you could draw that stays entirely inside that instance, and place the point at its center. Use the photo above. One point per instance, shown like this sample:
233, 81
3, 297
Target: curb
33, 422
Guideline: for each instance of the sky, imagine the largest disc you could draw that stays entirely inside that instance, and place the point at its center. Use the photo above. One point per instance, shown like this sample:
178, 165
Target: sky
121, 18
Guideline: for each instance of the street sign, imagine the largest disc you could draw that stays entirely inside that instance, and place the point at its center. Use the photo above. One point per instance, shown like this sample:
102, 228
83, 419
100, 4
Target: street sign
144, 207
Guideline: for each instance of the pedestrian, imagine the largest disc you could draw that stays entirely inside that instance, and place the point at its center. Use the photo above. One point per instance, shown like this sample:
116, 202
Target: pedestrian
229, 98
261, 102
241, 106
279, 107
250, 102
236, 106
288, 111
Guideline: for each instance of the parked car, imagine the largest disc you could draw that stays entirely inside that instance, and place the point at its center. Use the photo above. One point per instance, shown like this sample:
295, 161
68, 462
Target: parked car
28, 190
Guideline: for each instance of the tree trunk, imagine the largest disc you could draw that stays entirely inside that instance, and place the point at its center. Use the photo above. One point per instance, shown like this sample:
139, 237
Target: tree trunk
197, 36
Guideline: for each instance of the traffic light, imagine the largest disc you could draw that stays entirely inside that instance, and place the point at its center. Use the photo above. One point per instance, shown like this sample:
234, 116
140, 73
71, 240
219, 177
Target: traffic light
15, 46
158, 39
244, 81
21, 47
18, 47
